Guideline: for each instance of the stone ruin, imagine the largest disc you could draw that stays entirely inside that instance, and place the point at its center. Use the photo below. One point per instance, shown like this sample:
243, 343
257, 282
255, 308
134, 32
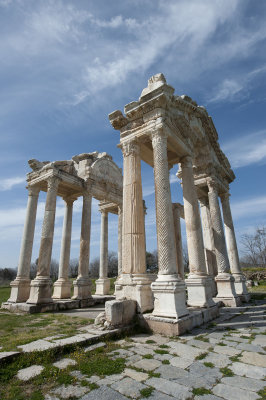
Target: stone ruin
163, 130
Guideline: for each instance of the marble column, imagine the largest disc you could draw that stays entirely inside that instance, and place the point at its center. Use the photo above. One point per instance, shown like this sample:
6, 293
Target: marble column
119, 254
178, 240
168, 289
82, 285
208, 240
224, 280
133, 283
20, 287
103, 283
240, 286
41, 286
198, 282
62, 287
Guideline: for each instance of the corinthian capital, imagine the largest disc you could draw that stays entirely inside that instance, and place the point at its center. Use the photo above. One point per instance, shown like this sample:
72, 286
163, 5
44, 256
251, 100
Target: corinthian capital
186, 162
52, 183
212, 185
129, 148
33, 190
158, 138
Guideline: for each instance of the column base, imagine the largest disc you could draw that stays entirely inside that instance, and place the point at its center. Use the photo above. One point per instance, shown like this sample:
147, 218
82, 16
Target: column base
20, 290
62, 289
241, 288
135, 287
169, 297
213, 286
102, 286
199, 288
226, 290
40, 290
82, 288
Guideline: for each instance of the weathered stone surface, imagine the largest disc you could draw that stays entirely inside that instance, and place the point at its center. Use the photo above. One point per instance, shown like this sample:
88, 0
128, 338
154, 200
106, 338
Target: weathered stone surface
128, 387
7, 354
159, 396
37, 345
199, 369
183, 350
199, 343
244, 383
66, 391
26, 374
64, 363
180, 362
260, 340
94, 346
74, 339
207, 397
169, 372
172, 388
229, 392
250, 347
219, 360
137, 376
147, 365
104, 393
249, 371
253, 358
229, 351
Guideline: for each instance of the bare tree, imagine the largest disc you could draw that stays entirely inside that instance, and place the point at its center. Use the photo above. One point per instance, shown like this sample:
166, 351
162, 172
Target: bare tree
73, 268
54, 267
254, 247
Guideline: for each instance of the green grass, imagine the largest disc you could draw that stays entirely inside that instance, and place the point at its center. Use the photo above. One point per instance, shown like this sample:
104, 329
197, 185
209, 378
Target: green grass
201, 391
165, 362
147, 392
221, 344
158, 351
262, 394
202, 338
201, 356
4, 294
209, 364
148, 356
150, 341
235, 358
226, 371
164, 346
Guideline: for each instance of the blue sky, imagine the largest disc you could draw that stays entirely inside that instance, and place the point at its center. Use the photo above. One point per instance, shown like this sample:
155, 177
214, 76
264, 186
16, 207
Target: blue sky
65, 65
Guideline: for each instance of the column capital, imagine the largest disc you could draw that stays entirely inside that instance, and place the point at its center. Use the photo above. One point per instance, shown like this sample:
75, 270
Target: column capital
203, 201
103, 212
186, 162
33, 190
69, 200
52, 183
212, 185
131, 147
158, 137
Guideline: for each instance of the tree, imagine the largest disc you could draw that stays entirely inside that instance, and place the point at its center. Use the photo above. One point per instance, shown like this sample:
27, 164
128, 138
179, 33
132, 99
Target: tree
152, 261
254, 247
73, 268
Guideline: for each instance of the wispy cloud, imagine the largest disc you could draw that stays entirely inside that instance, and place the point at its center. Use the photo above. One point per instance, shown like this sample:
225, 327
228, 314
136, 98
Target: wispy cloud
249, 207
9, 183
249, 149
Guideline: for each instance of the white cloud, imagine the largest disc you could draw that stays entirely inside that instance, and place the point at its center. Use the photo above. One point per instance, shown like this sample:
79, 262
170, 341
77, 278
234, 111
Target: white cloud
249, 208
249, 149
9, 183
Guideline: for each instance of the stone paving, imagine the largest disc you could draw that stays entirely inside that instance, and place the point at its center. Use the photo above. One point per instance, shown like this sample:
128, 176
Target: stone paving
224, 360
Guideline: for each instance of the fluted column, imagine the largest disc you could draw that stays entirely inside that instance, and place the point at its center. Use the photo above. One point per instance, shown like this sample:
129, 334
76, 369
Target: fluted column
41, 286
20, 287
62, 287
178, 239
198, 282
133, 283
82, 285
208, 240
168, 289
224, 280
120, 222
103, 283
232, 251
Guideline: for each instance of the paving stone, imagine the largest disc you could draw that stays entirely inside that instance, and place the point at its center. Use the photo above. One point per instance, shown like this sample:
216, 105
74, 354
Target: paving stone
131, 360
219, 360
64, 363
207, 397
230, 343
253, 358
104, 382
147, 365
200, 369
95, 346
104, 393
93, 379
37, 345
157, 338
50, 397
250, 347
199, 343
217, 335
142, 350
251, 371
26, 374
138, 376
180, 362
73, 339
196, 381
183, 350
66, 391
171, 388
229, 393
162, 357
78, 375
254, 385
229, 351
116, 377
170, 372
121, 353
7, 354
260, 340
213, 341
160, 396
128, 387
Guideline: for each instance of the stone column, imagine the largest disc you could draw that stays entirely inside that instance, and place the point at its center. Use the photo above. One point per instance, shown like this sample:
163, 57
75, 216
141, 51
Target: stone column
224, 280
198, 282
20, 287
208, 240
41, 286
119, 255
103, 283
178, 240
168, 289
62, 287
240, 286
82, 285
133, 283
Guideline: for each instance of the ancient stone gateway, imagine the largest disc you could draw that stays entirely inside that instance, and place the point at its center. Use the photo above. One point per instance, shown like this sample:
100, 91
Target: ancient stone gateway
163, 129
86, 175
